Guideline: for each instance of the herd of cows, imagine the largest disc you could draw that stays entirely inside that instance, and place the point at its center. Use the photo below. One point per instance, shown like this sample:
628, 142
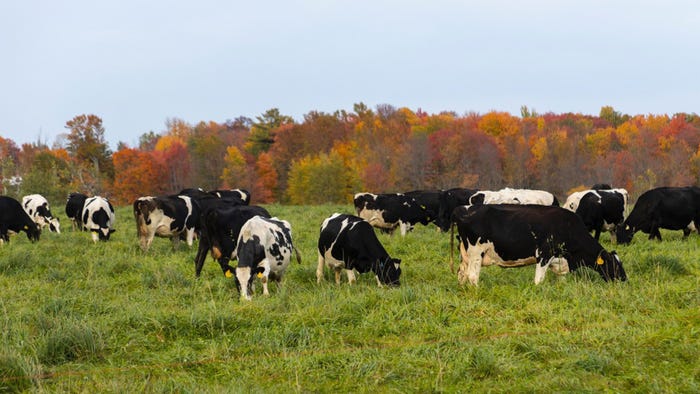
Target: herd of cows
508, 228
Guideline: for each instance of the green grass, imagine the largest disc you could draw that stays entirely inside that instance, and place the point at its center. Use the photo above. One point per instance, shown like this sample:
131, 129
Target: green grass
78, 316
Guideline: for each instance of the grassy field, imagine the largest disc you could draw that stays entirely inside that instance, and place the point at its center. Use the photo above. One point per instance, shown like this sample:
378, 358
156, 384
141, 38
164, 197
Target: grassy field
80, 317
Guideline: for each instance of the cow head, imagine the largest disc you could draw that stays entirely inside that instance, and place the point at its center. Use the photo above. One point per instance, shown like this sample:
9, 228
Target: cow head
388, 271
55, 225
609, 266
624, 233
33, 231
244, 277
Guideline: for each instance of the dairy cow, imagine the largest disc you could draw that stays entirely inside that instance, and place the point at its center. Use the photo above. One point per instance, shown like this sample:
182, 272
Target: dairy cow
98, 218
37, 207
221, 226
513, 196
672, 208
519, 235
348, 242
448, 200
74, 209
392, 210
14, 219
165, 216
600, 210
264, 250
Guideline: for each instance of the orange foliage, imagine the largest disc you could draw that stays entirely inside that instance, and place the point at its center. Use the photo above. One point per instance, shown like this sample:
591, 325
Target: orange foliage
137, 173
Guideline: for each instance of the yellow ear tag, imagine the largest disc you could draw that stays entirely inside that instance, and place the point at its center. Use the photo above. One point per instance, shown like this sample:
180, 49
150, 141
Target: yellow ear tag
260, 275
228, 273
599, 261
26, 227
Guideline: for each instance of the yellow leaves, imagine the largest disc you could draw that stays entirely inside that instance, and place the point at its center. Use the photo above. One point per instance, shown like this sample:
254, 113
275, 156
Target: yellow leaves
499, 124
539, 148
540, 124
167, 141
599, 141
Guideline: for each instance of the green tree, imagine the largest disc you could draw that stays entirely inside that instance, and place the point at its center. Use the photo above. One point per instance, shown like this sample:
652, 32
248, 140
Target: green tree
49, 175
262, 132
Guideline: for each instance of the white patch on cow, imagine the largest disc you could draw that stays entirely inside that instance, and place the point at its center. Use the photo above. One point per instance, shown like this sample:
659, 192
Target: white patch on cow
483, 253
375, 218
691, 226
516, 196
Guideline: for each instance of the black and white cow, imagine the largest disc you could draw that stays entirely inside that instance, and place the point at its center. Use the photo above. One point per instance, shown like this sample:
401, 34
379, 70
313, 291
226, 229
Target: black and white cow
14, 219
74, 209
165, 216
600, 210
391, 210
348, 242
672, 208
37, 207
98, 218
518, 235
448, 201
221, 226
514, 196
241, 194
264, 250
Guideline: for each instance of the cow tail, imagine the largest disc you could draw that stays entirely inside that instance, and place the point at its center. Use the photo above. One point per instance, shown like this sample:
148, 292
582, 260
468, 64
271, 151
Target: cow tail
298, 254
452, 247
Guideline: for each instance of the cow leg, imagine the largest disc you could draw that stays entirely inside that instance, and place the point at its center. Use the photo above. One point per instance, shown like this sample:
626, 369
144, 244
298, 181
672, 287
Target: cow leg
319, 268
470, 266
189, 234
202, 250
403, 226
686, 232
351, 276
597, 234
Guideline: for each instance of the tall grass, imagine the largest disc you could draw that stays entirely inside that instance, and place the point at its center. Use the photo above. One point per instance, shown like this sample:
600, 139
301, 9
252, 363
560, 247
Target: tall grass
78, 316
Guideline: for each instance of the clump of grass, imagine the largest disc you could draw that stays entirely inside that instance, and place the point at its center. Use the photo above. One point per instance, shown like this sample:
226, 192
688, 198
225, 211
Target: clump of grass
483, 363
596, 363
71, 343
15, 374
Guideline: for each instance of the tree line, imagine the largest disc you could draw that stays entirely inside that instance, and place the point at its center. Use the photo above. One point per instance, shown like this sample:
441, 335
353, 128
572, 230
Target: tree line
327, 157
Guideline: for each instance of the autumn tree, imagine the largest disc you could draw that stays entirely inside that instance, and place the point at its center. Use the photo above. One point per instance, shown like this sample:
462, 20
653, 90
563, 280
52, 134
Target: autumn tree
137, 174
87, 145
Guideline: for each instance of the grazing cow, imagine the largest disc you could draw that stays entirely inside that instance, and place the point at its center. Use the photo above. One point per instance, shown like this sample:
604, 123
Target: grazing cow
448, 201
264, 250
221, 226
74, 209
14, 219
98, 218
519, 235
241, 194
672, 208
514, 196
165, 216
37, 207
600, 210
348, 242
392, 210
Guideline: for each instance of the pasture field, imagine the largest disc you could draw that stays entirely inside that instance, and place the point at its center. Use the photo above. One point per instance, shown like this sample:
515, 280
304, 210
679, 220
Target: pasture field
107, 317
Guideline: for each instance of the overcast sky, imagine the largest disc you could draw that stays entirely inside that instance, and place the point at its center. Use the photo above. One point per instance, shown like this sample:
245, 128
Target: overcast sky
137, 63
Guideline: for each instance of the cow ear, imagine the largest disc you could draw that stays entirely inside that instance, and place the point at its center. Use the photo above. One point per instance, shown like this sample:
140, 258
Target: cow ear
111, 230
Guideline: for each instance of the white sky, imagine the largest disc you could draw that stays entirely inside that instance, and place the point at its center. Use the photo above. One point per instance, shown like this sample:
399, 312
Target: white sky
136, 63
